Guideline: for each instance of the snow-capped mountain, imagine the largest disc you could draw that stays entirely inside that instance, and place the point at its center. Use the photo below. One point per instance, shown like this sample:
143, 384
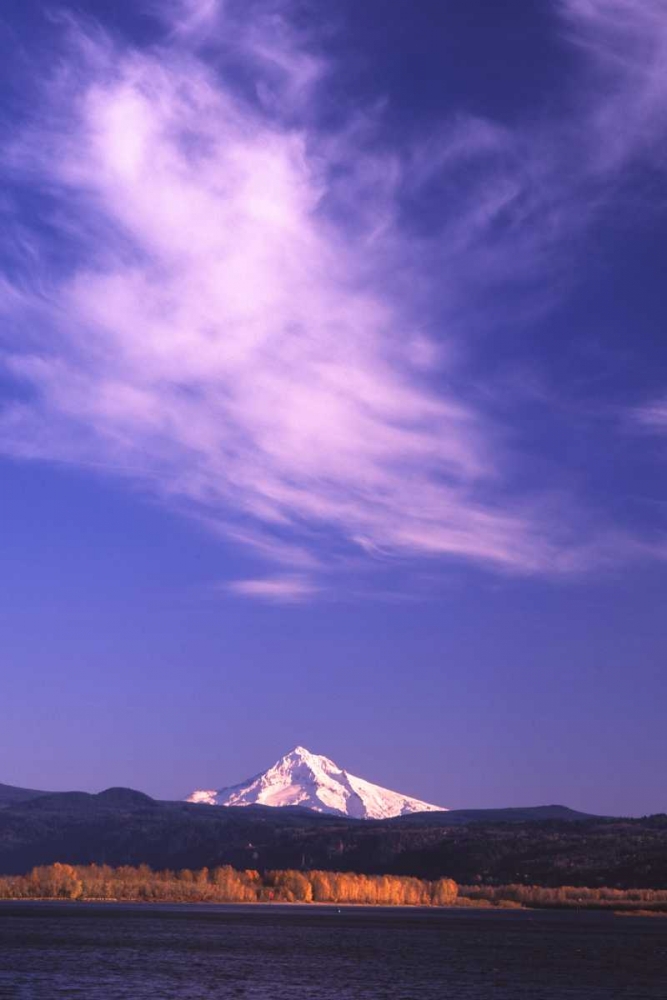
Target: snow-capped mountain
301, 778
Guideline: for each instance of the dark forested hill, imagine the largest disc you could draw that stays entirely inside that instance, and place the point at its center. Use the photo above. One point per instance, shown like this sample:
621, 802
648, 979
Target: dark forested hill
539, 846
9, 794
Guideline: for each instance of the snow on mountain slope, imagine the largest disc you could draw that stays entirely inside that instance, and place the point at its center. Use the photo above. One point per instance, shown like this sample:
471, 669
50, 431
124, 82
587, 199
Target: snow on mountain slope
301, 778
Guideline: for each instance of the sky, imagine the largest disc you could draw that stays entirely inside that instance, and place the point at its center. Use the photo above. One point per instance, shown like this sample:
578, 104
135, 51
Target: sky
333, 395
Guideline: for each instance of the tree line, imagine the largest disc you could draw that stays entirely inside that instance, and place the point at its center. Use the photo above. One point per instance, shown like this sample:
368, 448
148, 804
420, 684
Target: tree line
227, 885
224, 885
564, 896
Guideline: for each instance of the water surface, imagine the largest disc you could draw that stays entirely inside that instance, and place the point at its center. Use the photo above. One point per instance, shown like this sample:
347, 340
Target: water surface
50, 951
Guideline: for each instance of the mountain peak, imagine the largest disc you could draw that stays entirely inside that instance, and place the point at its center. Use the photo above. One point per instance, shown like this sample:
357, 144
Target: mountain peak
300, 753
302, 756
302, 778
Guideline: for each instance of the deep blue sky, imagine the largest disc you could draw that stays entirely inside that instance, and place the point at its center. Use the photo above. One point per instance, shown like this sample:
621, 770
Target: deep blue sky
333, 406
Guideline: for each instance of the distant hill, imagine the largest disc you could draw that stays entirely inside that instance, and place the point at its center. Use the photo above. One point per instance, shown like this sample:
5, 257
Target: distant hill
548, 845
526, 814
9, 794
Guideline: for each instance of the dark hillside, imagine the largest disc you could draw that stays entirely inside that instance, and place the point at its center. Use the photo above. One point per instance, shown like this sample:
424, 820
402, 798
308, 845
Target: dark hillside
9, 794
121, 826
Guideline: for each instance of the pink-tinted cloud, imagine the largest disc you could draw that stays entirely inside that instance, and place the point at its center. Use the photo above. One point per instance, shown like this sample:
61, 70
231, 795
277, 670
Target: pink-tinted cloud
221, 339
276, 589
653, 416
625, 42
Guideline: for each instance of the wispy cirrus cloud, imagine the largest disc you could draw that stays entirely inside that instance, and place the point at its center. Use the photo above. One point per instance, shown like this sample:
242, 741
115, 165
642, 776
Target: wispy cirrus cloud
276, 589
222, 300
653, 416
625, 43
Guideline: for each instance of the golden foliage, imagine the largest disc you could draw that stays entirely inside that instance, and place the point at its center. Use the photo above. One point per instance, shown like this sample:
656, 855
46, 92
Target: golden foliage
562, 896
225, 885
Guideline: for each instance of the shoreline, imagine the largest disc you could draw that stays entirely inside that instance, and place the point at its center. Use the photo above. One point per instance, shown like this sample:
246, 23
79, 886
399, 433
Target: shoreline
159, 903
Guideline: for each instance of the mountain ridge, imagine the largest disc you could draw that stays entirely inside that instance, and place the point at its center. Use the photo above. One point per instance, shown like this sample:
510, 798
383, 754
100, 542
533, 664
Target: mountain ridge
11, 794
533, 846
